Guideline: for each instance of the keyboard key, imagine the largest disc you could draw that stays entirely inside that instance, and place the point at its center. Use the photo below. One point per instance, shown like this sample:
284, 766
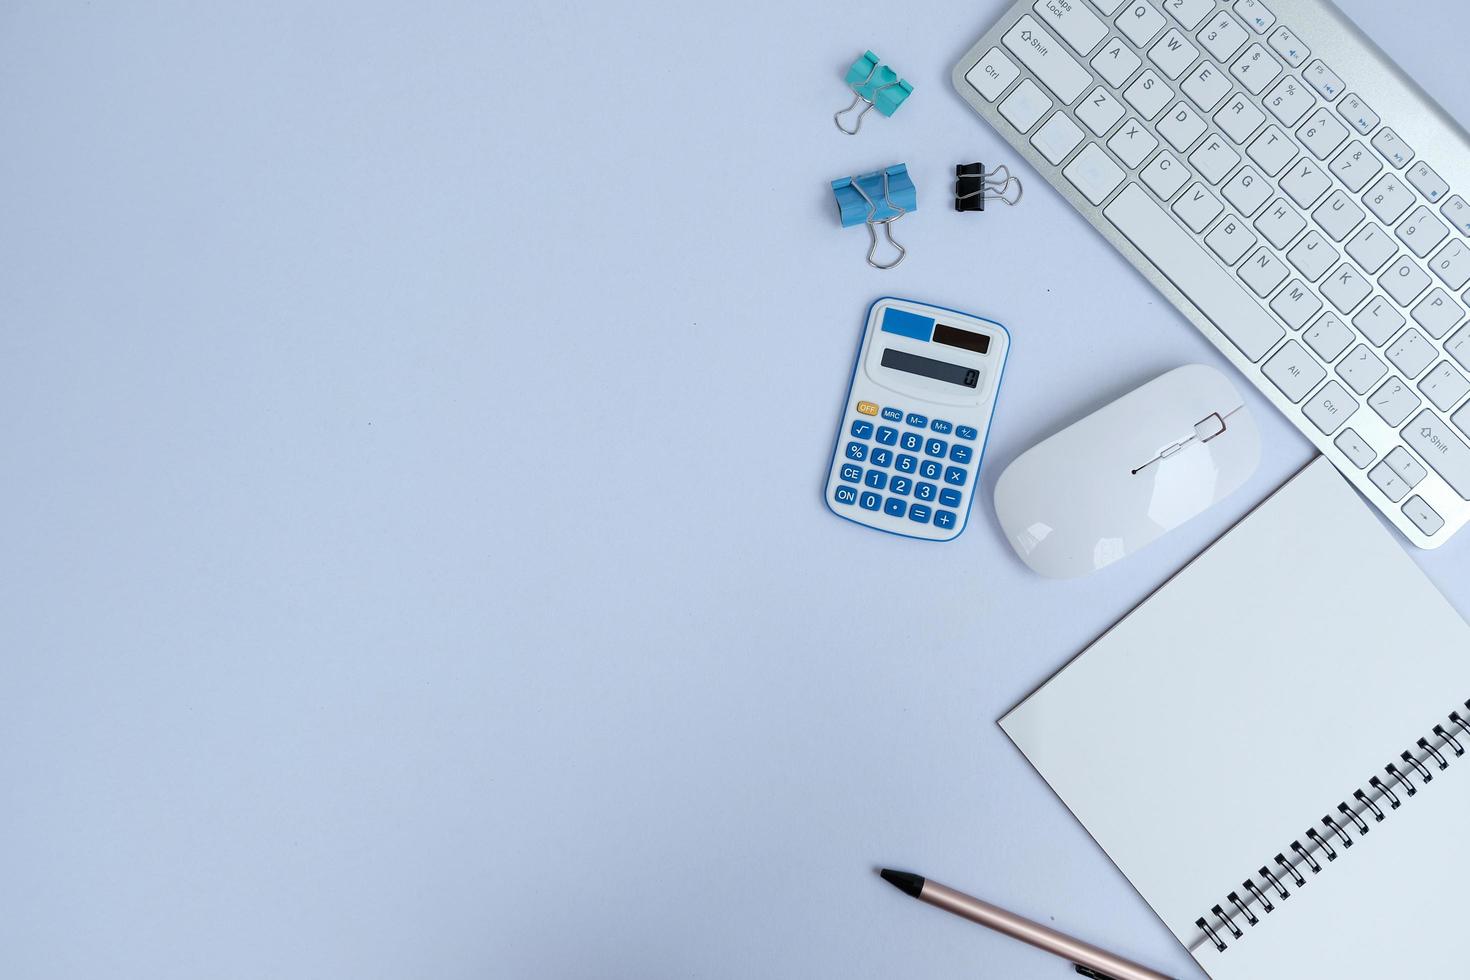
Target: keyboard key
967, 432
1330, 407
1272, 150
1385, 479
1328, 337
1100, 111
1404, 280
1345, 288
887, 435
1437, 313
992, 74
1165, 175
881, 457
1239, 119
1438, 445
1421, 231
916, 420
857, 451
1411, 353
919, 513
1206, 85
895, 507
1109, 7
1338, 215
1255, 69
1371, 247
1185, 263
925, 491
1057, 138
1116, 62
1025, 106
1389, 198
1452, 264
1094, 174
1304, 183
1324, 80
1312, 256
936, 448
1355, 166
1430, 184
945, 519
845, 495
1458, 213
1289, 46
1361, 369
1197, 207
1263, 272
1181, 126
1230, 240
1296, 305
1425, 517
955, 475
1354, 448
1378, 321
900, 485
861, 429
1406, 466
1037, 50
870, 501
1140, 22
1256, 14
949, 498
1321, 134
876, 479
1247, 190
1280, 223
1290, 100
911, 441
1214, 159
850, 473
1173, 54
1132, 143
1071, 19
1148, 94
1223, 36
930, 469
892, 415
1358, 114
906, 464
1393, 401
1458, 347
1393, 148
1293, 370
1189, 12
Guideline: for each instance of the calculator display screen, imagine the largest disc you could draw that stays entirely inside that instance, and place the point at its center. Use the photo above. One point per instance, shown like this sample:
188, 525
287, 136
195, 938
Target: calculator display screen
955, 337
928, 367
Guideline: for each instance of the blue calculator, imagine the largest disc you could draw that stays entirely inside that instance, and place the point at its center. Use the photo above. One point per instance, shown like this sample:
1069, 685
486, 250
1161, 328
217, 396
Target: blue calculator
917, 416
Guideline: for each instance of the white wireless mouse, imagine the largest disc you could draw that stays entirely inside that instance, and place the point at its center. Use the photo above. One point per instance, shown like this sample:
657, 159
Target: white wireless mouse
1110, 484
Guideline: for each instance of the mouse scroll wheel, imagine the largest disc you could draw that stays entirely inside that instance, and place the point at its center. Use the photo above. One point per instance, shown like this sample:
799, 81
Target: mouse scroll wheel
1209, 427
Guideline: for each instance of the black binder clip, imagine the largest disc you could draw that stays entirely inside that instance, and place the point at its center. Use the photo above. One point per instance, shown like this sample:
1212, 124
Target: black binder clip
973, 185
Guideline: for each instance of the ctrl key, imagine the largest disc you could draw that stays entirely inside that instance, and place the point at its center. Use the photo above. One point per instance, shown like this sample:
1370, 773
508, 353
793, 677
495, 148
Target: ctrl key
1424, 516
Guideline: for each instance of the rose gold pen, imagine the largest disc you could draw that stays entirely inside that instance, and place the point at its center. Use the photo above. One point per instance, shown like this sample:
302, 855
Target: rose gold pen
1088, 960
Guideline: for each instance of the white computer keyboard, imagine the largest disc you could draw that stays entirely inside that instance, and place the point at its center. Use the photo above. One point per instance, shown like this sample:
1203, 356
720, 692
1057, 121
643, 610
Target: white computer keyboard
1289, 189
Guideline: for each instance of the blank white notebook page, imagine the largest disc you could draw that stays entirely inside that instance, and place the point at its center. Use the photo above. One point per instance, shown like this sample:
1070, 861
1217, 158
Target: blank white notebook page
1225, 717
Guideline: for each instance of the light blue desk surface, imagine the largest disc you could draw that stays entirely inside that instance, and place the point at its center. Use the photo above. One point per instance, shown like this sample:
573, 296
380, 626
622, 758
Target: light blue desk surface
414, 565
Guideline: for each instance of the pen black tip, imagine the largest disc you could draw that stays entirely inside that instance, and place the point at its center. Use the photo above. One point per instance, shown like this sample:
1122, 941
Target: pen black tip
909, 884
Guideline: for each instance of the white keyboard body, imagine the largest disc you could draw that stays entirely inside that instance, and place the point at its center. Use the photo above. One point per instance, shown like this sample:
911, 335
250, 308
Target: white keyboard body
1290, 190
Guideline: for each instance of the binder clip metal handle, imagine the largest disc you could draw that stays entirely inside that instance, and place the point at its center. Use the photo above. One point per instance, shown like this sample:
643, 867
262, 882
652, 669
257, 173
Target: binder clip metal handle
974, 185
876, 86
887, 224
877, 198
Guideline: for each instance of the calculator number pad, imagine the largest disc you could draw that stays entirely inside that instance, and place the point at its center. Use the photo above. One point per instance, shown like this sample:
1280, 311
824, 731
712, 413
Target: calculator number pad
914, 469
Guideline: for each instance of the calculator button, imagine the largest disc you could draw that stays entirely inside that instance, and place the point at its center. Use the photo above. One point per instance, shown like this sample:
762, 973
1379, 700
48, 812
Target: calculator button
955, 475
869, 501
900, 485
945, 518
906, 464
857, 451
930, 470
881, 457
966, 432
941, 426
919, 513
912, 441
845, 495
887, 436
925, 491
892, 415
876, 479
861, 429
894, 507
960, 454
851, 473
949, 498
916, 420
867, 408
936, 448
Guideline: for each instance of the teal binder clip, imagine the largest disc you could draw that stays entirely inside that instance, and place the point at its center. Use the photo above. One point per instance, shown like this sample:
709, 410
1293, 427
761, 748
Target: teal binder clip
875, 84
878, 198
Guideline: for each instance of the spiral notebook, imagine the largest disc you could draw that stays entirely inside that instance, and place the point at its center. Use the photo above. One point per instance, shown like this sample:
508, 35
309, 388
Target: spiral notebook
1273, 748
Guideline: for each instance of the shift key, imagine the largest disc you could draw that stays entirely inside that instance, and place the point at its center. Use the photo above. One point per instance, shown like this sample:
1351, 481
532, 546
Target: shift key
1441, 449
1074, 22
1047, 59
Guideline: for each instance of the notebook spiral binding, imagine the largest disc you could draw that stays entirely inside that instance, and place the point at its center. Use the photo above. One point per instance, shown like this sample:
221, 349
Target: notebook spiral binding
1234, 916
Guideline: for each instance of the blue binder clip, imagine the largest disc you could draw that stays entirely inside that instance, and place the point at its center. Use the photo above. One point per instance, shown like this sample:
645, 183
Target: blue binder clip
875, 84
878, 198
